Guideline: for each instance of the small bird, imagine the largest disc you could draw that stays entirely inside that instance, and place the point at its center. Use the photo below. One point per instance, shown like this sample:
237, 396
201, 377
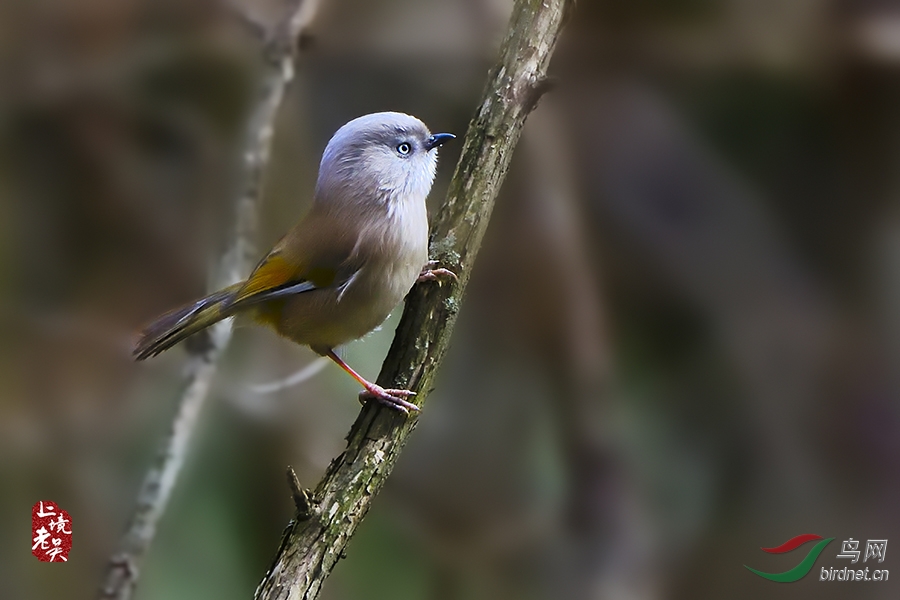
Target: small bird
340, 271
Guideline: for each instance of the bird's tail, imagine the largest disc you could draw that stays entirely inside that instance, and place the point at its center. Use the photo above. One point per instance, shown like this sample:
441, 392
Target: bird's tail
180, 323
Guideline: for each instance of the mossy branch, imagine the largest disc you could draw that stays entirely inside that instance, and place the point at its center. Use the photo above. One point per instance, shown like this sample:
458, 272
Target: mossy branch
315, 540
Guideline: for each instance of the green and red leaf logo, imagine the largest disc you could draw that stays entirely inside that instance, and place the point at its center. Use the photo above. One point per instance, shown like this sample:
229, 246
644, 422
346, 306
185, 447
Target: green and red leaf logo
805, 565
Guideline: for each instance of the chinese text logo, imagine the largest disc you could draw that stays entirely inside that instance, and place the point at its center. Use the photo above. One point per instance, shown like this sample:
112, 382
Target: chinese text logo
875, 549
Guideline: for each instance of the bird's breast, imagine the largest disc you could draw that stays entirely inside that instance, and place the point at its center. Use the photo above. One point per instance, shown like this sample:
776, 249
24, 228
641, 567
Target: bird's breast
388, 258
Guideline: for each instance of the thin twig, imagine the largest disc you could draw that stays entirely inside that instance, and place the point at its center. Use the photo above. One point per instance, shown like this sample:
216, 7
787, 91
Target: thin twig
296, 378
299, 493
243, 15
311, 547
281, 49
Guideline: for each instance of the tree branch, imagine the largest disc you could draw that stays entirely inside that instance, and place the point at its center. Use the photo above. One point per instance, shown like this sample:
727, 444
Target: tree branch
312, 546
281, 49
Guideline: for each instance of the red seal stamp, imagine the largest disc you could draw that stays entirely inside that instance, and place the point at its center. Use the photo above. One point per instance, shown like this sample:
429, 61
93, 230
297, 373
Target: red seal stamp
51, 532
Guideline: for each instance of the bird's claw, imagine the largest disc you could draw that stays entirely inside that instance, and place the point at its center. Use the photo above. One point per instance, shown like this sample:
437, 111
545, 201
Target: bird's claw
429, 273
395, 399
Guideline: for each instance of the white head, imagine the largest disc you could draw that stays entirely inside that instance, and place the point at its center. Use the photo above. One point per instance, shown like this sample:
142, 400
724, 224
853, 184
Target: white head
379, 159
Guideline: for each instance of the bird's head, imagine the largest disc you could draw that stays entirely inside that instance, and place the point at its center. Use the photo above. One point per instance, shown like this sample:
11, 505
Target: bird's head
382, 158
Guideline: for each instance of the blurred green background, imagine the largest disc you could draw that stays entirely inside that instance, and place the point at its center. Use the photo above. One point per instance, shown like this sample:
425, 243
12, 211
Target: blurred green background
681, 341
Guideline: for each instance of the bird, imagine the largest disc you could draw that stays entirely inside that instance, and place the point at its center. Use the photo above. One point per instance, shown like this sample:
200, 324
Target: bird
338, 273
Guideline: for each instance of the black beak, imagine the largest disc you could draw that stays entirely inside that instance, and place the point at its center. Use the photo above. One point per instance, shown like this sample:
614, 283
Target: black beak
437, 140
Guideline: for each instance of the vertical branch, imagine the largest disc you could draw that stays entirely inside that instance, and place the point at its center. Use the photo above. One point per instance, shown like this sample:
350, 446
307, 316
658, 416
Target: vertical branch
314, 541
281, 48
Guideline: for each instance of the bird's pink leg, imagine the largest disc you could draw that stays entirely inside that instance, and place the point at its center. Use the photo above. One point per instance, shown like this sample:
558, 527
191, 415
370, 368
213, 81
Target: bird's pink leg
395, 399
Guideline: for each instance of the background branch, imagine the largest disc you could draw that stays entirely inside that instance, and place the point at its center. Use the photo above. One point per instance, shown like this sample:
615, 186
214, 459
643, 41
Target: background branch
312, 544
281, 51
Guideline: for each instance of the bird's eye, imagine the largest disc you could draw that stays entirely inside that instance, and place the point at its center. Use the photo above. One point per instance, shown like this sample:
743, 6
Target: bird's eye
404, 148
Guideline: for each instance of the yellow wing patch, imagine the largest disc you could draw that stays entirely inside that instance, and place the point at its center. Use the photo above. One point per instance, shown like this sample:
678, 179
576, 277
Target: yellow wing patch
274, 272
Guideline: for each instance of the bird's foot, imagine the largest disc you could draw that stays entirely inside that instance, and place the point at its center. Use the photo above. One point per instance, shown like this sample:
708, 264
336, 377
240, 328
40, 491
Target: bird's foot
395, 399
429, 273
